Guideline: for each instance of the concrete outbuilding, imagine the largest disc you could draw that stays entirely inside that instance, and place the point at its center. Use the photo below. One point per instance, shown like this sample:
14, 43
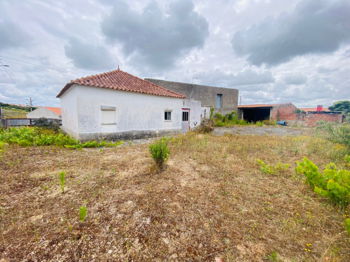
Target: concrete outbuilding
223, 100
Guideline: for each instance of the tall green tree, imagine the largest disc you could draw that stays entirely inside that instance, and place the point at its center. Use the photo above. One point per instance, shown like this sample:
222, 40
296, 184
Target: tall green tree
342, 106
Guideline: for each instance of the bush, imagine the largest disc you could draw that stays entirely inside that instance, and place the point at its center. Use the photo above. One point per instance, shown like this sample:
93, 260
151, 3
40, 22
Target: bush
332, 183
338, 133
272, 170
269, 122
160, 152
206, 126
259, 123
228, 120
36, 136
47, 123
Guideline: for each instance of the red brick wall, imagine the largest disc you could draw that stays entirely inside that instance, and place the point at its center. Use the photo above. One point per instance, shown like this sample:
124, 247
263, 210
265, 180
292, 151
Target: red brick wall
287, 112
284, 112
312, 119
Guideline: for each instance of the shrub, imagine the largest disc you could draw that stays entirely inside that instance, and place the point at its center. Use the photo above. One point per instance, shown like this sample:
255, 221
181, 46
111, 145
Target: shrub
47, 123
269, 122
272, 169
338, 133
227, 120
82, 213
160, 152
36, 136
259, 123
332, 183
206, 126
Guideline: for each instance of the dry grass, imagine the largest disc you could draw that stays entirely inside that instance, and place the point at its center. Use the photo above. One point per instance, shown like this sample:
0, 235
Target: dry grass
211, 202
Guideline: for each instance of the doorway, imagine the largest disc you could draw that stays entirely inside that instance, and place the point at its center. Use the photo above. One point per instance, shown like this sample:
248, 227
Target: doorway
185, 120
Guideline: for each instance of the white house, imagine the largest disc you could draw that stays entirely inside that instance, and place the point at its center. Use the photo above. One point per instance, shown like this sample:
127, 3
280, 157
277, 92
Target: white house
45, 112
117, 105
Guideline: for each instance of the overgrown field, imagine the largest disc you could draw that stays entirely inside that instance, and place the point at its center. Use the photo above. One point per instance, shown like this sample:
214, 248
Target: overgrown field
213, 200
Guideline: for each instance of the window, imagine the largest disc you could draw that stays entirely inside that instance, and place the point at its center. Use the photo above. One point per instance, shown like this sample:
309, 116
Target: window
184, 116
219, 101
108, 115
167, 115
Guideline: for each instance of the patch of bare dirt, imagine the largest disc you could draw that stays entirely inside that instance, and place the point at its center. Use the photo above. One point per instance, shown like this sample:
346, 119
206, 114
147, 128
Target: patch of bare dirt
211, 203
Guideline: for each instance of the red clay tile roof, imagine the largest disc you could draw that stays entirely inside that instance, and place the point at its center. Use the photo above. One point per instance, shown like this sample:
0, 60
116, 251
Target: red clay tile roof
56, 110
122, 81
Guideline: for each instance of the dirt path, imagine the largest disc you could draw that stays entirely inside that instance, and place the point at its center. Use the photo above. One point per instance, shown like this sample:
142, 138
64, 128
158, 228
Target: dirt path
254, 130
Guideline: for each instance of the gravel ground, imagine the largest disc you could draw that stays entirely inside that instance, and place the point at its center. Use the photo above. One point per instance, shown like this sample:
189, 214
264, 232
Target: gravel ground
264, 130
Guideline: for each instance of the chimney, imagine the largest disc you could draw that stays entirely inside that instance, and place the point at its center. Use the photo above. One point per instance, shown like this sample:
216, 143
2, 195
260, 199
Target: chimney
319, 108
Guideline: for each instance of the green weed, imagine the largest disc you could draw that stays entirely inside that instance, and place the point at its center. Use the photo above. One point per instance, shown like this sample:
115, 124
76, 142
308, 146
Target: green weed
82, 213
332, 183
35, 136
272, 169
347, 225
62, 177
160, 152
273, 257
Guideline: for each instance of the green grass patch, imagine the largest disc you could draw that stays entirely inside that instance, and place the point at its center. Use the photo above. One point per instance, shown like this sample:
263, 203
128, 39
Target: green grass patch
35, 136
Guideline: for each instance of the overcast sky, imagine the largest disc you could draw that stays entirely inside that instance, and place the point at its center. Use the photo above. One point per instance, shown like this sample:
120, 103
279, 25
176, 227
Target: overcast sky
273, 51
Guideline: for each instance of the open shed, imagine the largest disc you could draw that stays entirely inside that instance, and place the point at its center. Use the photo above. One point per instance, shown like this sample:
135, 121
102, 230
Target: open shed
254, 113
261, 112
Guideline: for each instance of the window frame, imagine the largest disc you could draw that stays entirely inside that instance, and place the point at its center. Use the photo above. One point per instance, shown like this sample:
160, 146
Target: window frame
165, 115
108, 109
219, 98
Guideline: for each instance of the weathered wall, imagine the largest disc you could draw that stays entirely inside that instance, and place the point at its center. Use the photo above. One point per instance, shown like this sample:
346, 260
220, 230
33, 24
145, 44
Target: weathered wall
137, 115
205, 94
195, 112
42, 112
283, 112
288, 112
311, 119
69, 106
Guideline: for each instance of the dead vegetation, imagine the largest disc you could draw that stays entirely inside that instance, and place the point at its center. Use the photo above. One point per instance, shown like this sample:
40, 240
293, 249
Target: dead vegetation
212, 201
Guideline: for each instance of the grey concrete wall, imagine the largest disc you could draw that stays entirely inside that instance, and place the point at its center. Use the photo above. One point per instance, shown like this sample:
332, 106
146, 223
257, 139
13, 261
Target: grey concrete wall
205, 94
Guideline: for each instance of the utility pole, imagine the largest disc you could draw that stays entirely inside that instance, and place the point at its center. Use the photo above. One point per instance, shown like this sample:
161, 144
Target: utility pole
30, 103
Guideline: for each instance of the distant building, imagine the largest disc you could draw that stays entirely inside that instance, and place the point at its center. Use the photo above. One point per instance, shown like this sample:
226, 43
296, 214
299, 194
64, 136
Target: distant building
45, 112
289, 113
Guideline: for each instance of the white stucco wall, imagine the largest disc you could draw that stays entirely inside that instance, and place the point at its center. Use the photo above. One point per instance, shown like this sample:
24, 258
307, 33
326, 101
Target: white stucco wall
81, 111
195, 111
69, 109
42, 112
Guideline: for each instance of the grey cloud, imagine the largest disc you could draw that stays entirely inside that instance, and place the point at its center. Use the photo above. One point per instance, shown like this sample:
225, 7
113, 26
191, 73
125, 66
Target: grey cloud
153, 37
314, 26
89, 56
247, 77
295, 79
11, 35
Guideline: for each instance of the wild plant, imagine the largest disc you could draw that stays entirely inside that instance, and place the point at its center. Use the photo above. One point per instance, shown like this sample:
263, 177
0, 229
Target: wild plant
82, 213
347, 225
332, 183
35, 136
62, 177
272, 169
338, 133
160, 152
